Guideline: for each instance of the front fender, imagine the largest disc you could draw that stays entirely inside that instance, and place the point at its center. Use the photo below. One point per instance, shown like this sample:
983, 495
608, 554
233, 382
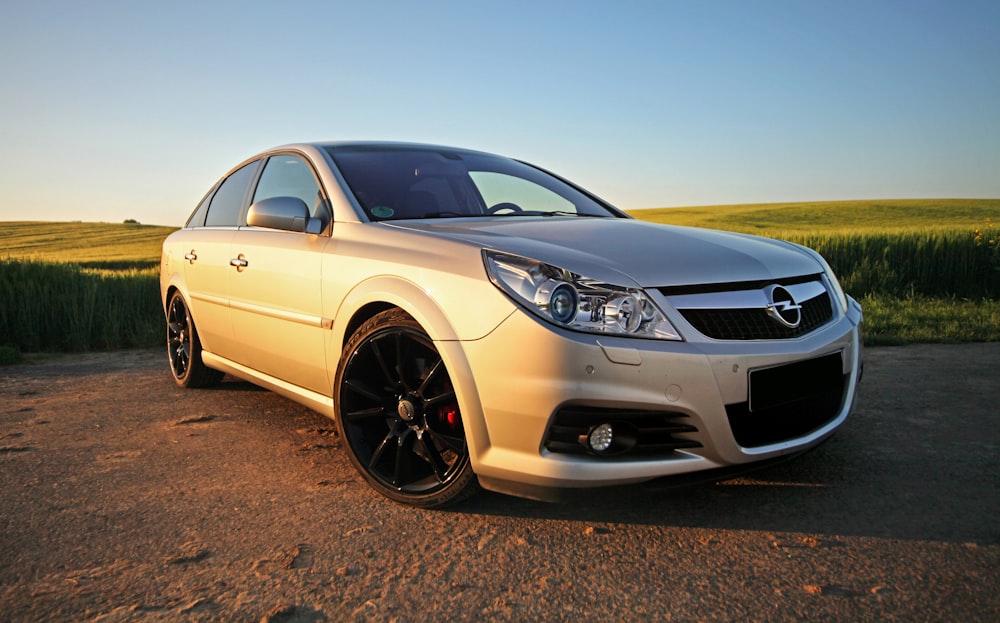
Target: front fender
416, 301
398, 293
432, 314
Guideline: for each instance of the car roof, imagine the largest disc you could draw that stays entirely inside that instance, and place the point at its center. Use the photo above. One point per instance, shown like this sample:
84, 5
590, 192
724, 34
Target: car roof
375, 145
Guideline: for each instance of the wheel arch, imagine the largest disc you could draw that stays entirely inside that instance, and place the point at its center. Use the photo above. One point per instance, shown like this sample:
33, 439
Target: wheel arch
169, 292
170, 282
172, 287
361, 316
379, 294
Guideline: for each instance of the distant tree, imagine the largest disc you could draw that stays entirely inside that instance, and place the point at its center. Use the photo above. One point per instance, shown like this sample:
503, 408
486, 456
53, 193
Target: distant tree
131, 221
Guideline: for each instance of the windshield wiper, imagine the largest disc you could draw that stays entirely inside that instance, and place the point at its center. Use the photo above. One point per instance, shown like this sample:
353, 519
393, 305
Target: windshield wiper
447, 214
562, 213
545, 213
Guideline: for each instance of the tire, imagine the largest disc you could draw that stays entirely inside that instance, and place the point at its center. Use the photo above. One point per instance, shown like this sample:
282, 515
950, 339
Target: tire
398, 414
184, 347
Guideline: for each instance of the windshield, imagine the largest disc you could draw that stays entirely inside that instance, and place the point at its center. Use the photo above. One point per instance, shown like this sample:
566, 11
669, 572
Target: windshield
401, 182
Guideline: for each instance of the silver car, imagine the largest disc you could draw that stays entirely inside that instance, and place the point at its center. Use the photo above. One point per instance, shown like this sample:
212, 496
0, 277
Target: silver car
474, 321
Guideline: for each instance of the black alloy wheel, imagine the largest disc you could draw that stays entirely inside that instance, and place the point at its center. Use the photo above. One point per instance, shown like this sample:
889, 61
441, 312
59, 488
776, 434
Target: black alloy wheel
184, 347
398, 412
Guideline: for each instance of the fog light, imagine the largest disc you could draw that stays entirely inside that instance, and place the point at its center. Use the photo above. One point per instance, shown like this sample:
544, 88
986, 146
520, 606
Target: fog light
601, 437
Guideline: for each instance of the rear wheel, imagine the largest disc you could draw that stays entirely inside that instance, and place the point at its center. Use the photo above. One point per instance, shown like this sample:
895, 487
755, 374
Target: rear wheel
184, 347
399, 415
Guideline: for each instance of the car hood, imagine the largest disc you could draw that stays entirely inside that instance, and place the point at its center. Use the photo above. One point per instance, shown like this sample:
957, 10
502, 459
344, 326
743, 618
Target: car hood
648, 254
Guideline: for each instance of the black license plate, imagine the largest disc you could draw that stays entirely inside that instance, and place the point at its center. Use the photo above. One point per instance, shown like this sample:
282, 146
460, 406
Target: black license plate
772, 387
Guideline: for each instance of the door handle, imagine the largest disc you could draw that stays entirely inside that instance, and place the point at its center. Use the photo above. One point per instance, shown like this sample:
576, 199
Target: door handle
239, 262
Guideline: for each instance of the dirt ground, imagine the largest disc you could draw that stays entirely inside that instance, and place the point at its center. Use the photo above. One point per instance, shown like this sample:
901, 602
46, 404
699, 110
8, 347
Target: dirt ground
125, 498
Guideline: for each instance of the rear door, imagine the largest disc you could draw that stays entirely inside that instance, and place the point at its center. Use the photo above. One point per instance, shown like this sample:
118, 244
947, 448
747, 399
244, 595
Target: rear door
206, 253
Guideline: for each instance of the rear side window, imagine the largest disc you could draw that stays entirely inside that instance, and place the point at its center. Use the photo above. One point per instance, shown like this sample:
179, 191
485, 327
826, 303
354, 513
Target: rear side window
198, 216
224, 211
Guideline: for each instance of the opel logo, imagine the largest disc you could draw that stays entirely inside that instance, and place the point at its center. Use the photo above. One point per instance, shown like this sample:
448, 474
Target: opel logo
782, 306
406, 410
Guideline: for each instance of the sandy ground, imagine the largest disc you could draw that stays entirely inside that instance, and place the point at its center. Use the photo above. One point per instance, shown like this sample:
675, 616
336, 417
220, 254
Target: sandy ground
125, 498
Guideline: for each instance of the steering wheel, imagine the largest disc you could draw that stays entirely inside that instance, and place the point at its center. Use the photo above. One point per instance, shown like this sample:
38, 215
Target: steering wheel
506, 206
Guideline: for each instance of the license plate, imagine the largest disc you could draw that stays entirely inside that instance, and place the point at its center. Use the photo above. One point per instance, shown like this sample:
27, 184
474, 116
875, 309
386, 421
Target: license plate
772, 387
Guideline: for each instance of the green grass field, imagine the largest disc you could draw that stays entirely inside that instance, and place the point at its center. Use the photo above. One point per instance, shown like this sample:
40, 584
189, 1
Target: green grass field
91, 245
917, 266
884, 216
78, 286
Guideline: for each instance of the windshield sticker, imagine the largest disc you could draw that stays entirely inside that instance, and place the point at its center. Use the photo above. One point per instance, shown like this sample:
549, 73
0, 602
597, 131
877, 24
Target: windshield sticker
382, 211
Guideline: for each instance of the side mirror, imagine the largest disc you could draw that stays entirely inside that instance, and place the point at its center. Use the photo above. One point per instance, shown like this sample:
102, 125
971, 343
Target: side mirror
284, 213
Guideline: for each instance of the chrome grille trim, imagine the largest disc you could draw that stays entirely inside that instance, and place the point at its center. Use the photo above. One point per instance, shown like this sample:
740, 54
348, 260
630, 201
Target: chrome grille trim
745, 299
742, 314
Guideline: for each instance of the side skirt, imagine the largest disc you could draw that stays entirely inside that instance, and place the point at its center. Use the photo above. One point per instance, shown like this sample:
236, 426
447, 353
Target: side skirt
313, 400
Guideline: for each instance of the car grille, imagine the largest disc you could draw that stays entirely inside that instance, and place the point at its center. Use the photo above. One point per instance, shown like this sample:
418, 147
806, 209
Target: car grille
739, 311
756, 324
789, 401
656, 432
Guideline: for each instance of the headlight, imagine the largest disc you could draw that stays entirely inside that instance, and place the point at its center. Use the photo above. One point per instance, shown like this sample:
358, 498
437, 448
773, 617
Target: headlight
576, 302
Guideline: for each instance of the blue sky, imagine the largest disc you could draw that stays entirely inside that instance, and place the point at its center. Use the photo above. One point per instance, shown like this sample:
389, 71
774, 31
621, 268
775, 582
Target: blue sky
115, 110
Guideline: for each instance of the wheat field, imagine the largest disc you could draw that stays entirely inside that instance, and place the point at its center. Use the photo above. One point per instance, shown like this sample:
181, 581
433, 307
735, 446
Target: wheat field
924, 270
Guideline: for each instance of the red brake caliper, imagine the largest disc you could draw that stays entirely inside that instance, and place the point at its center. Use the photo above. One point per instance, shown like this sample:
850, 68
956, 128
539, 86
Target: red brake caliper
449, 415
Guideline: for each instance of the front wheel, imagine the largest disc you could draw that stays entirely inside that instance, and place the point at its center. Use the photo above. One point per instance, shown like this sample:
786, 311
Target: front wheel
398, 413
184, 347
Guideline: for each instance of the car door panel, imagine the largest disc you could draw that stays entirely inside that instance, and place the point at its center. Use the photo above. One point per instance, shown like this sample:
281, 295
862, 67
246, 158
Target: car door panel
276, 306
206, 273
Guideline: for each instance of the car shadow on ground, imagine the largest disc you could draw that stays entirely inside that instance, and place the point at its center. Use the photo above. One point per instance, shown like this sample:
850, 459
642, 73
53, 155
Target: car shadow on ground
883, 475
917, 460
233, 384
820, 492
873, 478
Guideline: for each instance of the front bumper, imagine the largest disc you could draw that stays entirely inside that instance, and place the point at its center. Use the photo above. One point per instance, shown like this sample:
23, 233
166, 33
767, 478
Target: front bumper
525, 371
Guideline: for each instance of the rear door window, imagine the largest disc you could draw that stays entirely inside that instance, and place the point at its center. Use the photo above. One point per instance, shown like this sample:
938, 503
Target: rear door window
197, 218
224, 211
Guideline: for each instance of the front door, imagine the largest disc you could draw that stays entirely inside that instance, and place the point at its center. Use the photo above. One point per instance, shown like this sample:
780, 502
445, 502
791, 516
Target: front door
276, 292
